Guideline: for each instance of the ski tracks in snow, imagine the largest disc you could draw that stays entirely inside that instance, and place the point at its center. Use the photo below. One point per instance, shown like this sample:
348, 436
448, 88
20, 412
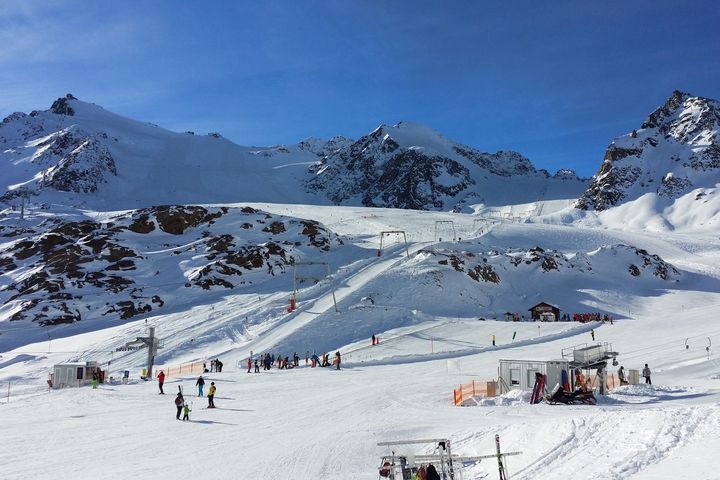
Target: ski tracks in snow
616, 444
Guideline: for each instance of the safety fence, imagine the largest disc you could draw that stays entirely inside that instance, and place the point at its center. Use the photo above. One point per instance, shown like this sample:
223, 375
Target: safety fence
474, 388
611, 381
488, 388
182, 369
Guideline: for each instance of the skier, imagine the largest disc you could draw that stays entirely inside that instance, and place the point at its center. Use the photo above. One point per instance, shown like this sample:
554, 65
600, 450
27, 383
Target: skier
218, 365
646, 373
621, 375
296, 359
266, 363
592, 334
373, 339
95, 380
211, 395
179, 401
161, 380
493, 340
249, 364
337, 360
200, 385
257, 366
212, 366
186, 412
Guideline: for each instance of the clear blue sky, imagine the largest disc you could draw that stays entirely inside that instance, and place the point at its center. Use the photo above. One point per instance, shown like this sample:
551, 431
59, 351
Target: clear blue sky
553, 80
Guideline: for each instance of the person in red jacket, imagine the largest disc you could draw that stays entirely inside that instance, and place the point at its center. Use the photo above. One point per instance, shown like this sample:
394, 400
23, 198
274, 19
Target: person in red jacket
161, 380
249, 364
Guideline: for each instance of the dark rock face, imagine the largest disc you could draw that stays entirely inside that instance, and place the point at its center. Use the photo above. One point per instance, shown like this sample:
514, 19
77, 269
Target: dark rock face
61, 106
83, 170
409, 180
488, 267
675, 143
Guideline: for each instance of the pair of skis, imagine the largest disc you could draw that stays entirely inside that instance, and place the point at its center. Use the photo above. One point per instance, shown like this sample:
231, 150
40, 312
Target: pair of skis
538, 388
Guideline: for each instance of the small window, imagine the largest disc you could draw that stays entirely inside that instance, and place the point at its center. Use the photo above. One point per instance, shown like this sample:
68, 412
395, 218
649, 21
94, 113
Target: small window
80, 373
514, 376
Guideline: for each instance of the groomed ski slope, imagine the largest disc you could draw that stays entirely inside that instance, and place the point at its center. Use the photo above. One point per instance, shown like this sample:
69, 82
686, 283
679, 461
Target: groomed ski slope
319, 423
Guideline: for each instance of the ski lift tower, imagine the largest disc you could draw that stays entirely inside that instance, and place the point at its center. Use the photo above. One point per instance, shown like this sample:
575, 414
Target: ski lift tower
318, 278
439, 224
383, 234
151, 342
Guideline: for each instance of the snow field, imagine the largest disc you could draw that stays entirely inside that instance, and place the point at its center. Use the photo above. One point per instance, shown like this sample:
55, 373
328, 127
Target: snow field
320, 423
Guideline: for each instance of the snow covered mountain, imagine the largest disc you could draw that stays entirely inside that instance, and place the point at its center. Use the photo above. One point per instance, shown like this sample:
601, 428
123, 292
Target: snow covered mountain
675, 152
411, 166
59, 270
77, 153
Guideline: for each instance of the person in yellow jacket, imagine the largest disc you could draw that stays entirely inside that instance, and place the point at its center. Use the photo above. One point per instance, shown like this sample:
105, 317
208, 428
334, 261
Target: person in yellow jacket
211, 395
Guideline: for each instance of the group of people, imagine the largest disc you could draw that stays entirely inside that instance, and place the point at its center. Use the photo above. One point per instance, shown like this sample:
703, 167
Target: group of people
284, 363
215, 366
645, 373
588, 317
375, 339
182, 406
267, 360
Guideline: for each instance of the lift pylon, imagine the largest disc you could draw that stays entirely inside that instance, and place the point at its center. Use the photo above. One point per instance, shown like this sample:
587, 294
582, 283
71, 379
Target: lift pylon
300, 278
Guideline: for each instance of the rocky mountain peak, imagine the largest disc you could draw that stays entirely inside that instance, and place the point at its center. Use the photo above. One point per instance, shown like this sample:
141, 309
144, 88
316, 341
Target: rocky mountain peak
684, 115
675, 151
61, 106
409, 165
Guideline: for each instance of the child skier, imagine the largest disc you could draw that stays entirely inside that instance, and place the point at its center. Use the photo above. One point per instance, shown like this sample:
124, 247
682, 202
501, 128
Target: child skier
186, 412
211, 395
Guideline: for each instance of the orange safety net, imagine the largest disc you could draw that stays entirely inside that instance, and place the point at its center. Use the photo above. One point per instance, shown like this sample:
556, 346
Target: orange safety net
611, 381
474, 388
182, 369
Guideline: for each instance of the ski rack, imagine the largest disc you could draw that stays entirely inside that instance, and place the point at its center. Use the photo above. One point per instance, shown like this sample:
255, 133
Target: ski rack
444, 458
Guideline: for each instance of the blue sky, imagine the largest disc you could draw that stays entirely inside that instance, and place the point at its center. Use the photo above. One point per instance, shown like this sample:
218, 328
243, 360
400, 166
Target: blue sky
555, 81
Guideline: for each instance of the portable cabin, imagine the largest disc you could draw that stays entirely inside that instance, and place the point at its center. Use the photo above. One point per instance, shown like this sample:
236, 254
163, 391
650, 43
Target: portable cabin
520, 374
544, 307
74, 374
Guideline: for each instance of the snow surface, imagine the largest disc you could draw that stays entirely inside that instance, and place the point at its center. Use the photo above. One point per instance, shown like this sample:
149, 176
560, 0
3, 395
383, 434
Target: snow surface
323, 424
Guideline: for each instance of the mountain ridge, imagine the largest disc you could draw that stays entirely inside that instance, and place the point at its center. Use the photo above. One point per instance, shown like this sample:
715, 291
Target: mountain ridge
77, 153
